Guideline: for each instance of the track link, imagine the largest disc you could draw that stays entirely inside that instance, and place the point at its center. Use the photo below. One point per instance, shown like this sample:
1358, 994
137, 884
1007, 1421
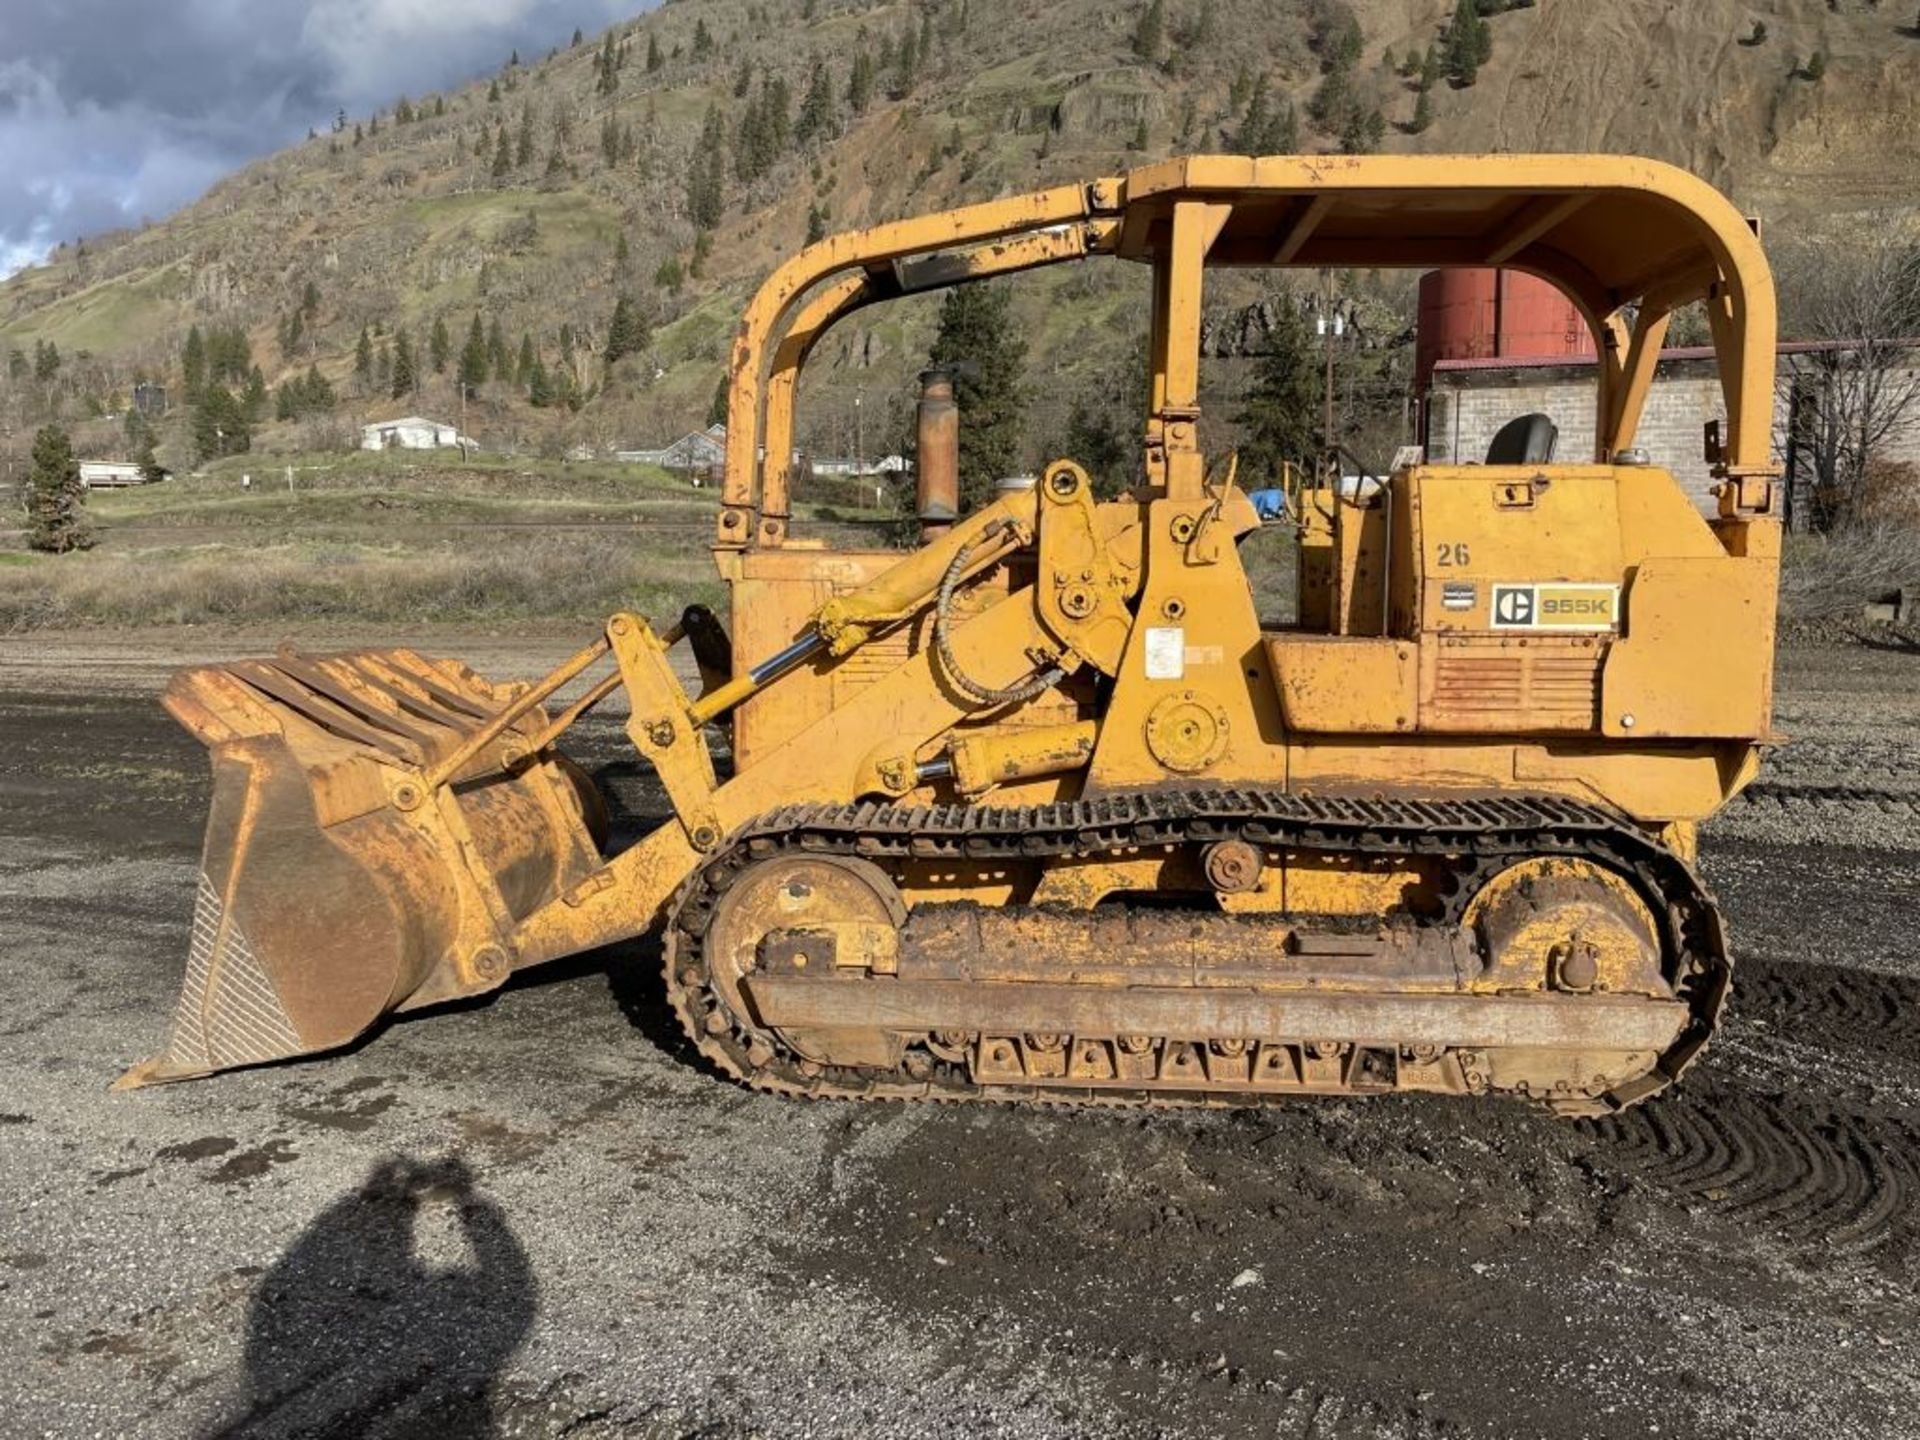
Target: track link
1485, 833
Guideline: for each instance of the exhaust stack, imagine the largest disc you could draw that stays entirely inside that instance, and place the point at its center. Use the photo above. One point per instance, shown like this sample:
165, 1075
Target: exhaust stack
936, 489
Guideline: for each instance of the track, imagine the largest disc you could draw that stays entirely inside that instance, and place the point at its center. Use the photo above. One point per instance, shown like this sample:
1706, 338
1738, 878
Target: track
1491, 832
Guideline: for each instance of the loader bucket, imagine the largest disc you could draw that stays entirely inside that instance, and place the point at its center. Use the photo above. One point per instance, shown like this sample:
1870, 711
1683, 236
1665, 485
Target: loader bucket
357, 859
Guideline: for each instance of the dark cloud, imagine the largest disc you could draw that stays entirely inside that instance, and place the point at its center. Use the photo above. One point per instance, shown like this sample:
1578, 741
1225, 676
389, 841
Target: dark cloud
112, 111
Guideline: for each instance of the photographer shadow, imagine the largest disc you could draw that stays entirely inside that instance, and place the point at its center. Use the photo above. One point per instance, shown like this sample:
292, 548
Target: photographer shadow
353, 1333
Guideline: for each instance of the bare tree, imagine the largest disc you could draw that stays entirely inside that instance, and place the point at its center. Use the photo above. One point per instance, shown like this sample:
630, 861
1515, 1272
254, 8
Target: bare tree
1852, 404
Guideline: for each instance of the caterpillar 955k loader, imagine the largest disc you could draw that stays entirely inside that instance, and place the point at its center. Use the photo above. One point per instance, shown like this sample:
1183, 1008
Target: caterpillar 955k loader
1040, 809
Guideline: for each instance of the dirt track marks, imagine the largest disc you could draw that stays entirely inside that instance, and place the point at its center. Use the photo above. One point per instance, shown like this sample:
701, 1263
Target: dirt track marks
1811, 1174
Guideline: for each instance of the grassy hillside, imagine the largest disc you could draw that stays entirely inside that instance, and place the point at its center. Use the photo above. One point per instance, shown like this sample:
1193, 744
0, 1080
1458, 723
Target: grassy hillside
399, 223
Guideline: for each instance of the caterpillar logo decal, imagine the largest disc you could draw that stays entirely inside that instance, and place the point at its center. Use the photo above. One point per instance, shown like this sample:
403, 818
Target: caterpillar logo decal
1556, 607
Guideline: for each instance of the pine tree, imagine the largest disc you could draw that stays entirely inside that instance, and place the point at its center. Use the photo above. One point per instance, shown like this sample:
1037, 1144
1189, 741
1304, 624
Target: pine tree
405, 382
219, 425
1422, 112
499, 363
1334, 106
473, 358
502, 156
1468, 44
816, 111
539, 385
977, 341
439, 345
1151, 31
523, 366
151, 470
609, 80
318, 392
1251, 138
669, 276
860, 84
292, 331
1430, 68
523, 152
55, 521
906, 65
1140, 137
626, 331
706, 193
253, 401
702, 40
654, 60
1362, 131
816, 224
363, 358
193, 365
1278, 412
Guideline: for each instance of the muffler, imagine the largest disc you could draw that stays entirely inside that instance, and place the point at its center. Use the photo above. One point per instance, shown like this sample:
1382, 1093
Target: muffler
381, 821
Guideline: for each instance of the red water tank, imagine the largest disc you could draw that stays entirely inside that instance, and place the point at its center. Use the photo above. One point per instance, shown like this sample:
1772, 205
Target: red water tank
1476, 314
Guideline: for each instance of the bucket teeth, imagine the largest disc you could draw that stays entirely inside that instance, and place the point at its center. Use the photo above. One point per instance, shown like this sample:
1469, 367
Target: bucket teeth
229, 1012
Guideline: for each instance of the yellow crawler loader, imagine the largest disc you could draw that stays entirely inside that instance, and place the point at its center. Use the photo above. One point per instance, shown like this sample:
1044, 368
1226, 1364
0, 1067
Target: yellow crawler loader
1039, 808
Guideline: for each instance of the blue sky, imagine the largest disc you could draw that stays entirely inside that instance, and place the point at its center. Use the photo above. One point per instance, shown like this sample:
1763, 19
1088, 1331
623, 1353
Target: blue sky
115, 111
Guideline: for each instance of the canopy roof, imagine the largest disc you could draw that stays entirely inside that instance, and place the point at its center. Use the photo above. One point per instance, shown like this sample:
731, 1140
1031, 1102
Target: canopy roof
1626, 239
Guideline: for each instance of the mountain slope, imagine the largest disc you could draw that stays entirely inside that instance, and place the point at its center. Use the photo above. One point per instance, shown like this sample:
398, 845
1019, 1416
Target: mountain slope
411, 223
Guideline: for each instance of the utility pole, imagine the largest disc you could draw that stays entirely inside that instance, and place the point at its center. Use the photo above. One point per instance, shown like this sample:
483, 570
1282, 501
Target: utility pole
859, 439
1332, 325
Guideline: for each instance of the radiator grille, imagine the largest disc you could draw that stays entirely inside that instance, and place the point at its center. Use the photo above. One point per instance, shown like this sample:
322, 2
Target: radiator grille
1544, 687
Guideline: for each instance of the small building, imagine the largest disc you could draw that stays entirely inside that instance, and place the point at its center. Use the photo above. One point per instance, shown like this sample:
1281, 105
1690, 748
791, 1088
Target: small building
411, 432
1467, 401
150, 399
890, 466
111, 474
697, 450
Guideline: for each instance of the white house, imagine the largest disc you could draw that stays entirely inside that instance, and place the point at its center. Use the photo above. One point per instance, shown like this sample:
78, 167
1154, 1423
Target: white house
110, 474
411, 432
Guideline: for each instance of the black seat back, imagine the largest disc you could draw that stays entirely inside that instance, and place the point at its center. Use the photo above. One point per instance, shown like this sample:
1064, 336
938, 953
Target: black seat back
1524, 440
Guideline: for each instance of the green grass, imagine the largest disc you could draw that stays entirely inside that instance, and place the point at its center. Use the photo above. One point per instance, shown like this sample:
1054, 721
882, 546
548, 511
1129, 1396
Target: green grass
316, 584
125, 311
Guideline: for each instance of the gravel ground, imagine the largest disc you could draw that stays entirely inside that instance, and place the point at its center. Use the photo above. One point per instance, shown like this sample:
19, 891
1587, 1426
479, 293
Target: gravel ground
540, 1216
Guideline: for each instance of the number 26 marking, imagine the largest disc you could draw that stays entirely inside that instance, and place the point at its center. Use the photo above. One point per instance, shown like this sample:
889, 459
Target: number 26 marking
1453, 556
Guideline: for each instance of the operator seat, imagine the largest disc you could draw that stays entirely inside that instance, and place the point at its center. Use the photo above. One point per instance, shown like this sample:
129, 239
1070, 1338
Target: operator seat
1524, 440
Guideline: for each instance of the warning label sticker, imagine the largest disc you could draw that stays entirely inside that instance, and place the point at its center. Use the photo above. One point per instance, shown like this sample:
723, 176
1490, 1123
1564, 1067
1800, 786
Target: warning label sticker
1166, 652
1556, 607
